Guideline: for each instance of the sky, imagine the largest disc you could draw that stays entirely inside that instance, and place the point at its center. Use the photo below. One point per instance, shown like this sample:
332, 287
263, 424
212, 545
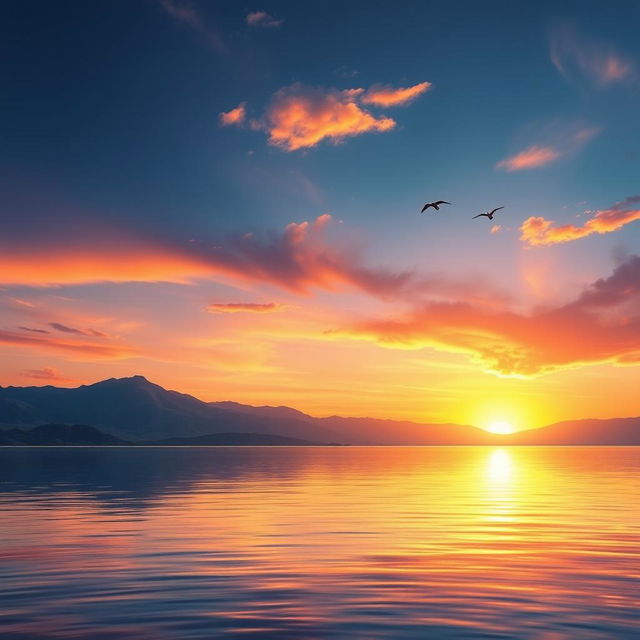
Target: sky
225, 198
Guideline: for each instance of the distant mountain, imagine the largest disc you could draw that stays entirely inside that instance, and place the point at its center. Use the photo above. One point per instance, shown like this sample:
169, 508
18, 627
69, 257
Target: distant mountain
58, 435
134, 409
613, 431
234, 440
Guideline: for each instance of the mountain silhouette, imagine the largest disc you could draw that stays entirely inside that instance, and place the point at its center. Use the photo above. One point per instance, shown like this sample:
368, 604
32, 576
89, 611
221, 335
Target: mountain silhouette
66, 435
59, 435
134, 409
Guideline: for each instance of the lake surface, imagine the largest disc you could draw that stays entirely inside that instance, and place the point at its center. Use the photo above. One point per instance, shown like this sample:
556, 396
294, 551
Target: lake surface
331, 542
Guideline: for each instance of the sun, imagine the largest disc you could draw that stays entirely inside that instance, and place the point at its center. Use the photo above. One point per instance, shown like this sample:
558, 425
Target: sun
501, 427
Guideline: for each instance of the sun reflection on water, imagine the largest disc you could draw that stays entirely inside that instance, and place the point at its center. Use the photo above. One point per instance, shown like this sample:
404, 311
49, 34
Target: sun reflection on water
500, 466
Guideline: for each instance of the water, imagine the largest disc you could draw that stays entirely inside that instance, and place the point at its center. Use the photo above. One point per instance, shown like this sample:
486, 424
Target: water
305, 543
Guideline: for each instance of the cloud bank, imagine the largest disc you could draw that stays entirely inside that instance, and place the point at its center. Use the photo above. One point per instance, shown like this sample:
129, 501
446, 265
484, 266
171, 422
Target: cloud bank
298, 259
601, 325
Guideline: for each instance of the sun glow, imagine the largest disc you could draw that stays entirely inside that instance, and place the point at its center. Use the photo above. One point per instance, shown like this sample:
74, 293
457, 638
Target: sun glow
501, 427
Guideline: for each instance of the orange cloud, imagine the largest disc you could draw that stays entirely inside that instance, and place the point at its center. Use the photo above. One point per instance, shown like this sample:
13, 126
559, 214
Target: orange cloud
234, 117
496, 228
561, 140
576, 56
105, 262
598, 326
262, 19
537, 231
245, 307
298, 259
531, 158
301, 117
71, 347
386, 96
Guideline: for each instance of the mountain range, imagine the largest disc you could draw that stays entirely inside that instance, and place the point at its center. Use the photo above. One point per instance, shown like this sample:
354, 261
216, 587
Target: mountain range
134, 410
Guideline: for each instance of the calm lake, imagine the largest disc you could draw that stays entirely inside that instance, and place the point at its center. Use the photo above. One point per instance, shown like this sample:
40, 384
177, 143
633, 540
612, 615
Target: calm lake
328, 542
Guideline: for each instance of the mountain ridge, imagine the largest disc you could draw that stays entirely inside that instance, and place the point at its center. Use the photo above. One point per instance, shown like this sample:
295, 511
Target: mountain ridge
135, 409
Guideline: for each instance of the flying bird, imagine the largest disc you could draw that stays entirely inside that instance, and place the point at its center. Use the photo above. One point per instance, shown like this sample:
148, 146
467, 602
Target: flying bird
435, 205
489, 214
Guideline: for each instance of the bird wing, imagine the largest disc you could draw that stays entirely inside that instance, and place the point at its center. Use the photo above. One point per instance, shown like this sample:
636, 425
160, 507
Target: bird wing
426, 206
498, 209
442, 202
480, 214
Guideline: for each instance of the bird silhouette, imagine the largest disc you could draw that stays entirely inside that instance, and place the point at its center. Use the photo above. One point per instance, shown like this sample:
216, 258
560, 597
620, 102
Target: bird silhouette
489, 214
435, 205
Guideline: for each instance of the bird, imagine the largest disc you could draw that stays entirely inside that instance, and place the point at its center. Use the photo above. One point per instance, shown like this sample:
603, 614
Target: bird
434, 205
489, 214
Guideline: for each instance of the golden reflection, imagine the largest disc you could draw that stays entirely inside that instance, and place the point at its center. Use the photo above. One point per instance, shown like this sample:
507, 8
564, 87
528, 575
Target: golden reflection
500, 466
501, 495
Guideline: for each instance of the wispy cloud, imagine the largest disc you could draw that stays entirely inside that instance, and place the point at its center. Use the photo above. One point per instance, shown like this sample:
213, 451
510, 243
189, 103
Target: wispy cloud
245, 307
80, 332
387, 96
559, 141
46, 373
33, 330
262, 19
185, 13
538, 231
578, 57
597, 326
234, 116
300, 117
531, 158
71, 347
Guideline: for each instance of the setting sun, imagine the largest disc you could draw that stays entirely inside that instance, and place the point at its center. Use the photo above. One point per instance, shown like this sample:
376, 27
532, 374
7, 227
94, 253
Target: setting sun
501, 427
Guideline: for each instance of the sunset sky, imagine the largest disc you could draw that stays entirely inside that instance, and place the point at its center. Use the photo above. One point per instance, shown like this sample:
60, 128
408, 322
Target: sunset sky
225, 198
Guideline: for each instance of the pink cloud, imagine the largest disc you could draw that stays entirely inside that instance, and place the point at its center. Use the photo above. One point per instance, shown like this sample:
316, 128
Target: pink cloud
575, 56
234, 117
262, 19
46, 373
560, 139
538, 231
496, 228
531, 158
386, 96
